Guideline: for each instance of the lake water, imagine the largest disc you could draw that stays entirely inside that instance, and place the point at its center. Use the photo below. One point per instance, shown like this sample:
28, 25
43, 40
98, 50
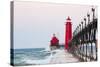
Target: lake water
31, 56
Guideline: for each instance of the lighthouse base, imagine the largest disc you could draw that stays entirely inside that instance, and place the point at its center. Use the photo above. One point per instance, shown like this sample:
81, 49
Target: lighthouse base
66, 46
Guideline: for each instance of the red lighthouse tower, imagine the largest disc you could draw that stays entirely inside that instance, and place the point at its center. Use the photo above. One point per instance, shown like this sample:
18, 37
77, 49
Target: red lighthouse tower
68, 32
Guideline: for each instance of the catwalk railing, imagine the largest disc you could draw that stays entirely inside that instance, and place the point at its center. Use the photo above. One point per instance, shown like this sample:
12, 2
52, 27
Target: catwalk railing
84, 42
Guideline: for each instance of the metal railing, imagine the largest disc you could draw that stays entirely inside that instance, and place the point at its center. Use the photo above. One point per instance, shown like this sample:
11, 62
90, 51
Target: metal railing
84, 43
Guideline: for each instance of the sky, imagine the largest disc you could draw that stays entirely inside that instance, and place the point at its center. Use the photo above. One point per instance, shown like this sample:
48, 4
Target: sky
36, 22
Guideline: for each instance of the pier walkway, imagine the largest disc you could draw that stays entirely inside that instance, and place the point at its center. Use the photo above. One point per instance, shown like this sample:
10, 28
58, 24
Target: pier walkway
63, 56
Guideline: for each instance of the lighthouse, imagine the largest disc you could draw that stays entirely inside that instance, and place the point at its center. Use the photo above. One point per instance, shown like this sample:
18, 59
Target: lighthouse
68, 32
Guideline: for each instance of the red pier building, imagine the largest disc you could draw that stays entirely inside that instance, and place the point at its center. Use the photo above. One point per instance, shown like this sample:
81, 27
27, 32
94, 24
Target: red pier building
54, 43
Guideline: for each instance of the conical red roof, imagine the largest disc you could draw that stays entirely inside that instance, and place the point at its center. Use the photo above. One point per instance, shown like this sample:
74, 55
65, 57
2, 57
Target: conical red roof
54, 40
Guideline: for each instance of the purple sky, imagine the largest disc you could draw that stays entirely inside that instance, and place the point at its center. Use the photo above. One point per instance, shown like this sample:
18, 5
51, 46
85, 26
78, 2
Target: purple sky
35, 22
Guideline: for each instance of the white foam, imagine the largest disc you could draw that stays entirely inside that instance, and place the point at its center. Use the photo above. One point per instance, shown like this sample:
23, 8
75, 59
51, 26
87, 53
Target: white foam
44, 61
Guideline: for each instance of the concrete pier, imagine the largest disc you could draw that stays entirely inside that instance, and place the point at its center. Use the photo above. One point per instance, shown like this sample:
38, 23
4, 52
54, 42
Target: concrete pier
63, 56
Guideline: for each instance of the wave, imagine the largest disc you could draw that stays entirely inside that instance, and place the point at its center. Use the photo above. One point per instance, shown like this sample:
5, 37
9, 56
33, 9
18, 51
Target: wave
43, 61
